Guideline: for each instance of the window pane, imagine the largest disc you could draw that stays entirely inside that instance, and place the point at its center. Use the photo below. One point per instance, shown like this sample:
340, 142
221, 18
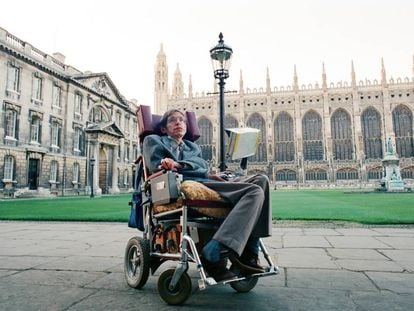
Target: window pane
53, 171
11, 117
8, 167
35, 126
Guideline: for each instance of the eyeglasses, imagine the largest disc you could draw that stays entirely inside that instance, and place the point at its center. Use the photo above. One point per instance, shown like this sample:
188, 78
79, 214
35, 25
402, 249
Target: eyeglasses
174, 119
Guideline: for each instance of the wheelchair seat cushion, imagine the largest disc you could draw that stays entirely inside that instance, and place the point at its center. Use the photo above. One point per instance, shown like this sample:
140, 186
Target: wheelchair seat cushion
197, 192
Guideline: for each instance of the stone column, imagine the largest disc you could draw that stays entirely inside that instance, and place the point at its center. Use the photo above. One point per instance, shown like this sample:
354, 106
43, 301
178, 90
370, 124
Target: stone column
95, 172
114, 188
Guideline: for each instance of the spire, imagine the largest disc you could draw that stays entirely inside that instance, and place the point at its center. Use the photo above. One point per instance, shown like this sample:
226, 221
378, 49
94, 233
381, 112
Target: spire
353, 79
161, 51
161, 82
324, 84
295, 80
241, 87
190, 88
383, 73
267, 81
413, 68
178, 85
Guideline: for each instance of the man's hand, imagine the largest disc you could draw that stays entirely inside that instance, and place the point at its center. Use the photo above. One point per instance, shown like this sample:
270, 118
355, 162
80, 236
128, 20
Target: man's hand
215, 177
169, 164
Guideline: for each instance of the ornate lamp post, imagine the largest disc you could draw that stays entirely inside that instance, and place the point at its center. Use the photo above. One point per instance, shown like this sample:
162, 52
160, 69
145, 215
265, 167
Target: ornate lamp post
92, 161
221, 59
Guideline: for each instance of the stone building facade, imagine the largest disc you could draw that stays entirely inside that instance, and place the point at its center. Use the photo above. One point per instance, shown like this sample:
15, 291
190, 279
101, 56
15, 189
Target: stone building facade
322, 135
54, 119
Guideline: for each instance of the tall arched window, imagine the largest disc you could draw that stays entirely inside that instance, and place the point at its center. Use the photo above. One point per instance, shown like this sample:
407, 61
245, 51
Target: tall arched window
284, 138
402, 120
256, 121
341, 130
206, 139
312, 136
371, 131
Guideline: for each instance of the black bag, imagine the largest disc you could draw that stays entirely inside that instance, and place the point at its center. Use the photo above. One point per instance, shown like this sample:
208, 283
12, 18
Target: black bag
136, 217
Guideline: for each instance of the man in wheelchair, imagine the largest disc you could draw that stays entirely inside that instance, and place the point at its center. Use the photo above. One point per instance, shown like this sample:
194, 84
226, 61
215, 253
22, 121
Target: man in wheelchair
248, 220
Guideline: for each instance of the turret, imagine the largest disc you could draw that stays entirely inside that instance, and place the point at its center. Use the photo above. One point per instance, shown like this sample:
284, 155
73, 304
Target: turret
383, 73
178, 85
295, 80
268, 90
241, 84
161, 82
324, 84
353, 79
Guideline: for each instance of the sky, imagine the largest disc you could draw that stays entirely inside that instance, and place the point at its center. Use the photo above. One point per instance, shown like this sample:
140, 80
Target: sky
122, 38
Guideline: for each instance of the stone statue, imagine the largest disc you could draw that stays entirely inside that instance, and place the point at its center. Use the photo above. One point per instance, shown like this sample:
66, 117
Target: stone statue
390, 150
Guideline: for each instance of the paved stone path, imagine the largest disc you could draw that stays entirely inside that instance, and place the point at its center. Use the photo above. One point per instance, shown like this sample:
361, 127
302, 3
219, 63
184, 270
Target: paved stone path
79, 266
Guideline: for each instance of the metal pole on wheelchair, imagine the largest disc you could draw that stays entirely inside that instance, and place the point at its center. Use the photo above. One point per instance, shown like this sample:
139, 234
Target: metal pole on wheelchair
221, 58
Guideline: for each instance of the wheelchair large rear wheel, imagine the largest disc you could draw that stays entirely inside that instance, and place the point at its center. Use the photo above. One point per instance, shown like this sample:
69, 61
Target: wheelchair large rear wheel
137, 262
243, 286
180, 293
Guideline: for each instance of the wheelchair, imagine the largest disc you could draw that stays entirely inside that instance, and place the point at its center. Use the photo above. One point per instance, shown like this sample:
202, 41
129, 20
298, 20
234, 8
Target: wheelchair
176, 219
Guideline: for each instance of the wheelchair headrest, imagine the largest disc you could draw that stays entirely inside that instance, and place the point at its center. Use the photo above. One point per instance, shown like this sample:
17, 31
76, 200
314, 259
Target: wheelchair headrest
149, 124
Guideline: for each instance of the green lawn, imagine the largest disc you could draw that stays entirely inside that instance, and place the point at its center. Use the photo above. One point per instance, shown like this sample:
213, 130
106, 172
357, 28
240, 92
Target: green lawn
369, 208
108, 208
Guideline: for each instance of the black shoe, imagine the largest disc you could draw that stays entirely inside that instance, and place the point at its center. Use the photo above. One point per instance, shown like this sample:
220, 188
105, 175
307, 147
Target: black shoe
217, 271
248, 262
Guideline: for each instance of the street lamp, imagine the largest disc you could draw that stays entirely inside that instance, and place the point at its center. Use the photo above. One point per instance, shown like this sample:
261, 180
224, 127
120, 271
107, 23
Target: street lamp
92, 160
221, 59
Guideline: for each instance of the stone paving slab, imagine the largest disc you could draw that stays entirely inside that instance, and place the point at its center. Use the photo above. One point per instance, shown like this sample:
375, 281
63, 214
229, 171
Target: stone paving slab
320, 231
398, 242
304, 258
369, 265
54, 278
81, 263
305, 241
384, 300
401, 283
350, 241
79, 266
329, 279
347, 253
404, 258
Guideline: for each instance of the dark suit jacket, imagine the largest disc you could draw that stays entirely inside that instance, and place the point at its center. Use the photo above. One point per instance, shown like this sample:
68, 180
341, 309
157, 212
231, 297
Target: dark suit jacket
156, 148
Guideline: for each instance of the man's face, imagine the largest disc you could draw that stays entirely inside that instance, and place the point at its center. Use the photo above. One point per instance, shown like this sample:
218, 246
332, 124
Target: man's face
176, 126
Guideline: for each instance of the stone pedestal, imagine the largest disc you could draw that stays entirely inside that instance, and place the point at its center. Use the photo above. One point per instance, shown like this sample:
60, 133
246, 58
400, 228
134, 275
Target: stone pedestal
391, 180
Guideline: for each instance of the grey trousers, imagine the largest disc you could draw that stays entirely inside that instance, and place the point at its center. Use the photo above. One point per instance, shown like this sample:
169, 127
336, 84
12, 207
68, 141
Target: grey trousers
251, 215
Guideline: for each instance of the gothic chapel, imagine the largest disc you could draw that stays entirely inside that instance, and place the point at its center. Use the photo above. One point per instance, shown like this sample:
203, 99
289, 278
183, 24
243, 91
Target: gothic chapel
322, 135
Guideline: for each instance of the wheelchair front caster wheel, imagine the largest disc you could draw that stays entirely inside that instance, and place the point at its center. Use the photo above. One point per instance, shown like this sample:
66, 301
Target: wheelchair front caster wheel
180, 293
243, 286
137, 262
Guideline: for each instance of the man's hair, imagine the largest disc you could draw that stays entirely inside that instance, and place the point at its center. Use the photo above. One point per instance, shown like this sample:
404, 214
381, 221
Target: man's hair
164, 120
